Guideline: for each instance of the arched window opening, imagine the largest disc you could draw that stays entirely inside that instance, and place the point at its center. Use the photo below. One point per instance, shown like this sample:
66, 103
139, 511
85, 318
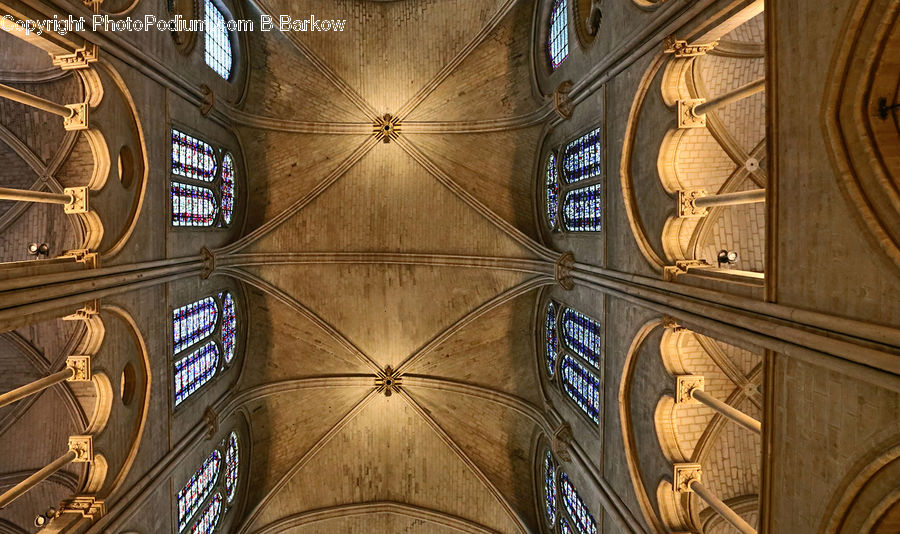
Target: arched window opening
208, 494
582, 159
550, 488
582, 209
204, 337
209, 200
576, 199
552, 192
218, 41
198, 489
558, 41
582, 386
578, 356
575, 508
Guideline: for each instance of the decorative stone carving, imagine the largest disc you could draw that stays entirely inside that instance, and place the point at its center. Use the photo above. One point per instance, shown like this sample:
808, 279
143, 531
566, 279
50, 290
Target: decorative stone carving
594, 18
563, 271
562, 442
209, 263
78, 120
209, 100
687, 208
387, 128
671, 272
211, 418
87, 506
684, 384
562, 105
388, 382
684, 475
686, 116
671, 323
81, 364
681, 49
80, 200
80, 59
83, 447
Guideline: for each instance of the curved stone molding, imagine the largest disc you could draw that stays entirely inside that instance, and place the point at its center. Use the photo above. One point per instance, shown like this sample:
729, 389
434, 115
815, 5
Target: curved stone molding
863, 145
869, 497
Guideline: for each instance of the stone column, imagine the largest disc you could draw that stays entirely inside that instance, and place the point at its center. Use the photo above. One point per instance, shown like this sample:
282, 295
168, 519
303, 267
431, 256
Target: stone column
690, 388
78, 369
81, 450
73, 199
692, 112
696, 203
687, 480
75, 116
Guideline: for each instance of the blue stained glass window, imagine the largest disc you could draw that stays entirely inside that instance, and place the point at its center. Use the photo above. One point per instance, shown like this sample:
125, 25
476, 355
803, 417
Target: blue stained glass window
197, 489
582, 209
194, 370
231, 467
581, 386
552, 343
583, 158
192, 158
564, 527
229, 326
194, 322
584, 521
227, 188
552, 192
208, 520
558, 43
192, 205
582, 335
550, 488
218, 42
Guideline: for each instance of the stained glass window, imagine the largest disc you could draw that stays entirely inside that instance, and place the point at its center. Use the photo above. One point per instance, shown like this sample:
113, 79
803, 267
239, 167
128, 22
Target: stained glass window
231, 467
552, 343
584, 521
552, 192
192, 205
208, 520
197, 489
581, 386
192, 158
193, 323
582, 209
550, 488
227, 188
558, 44
229, 325
564, 527
194, 370
582, 336
218, 42
582, 158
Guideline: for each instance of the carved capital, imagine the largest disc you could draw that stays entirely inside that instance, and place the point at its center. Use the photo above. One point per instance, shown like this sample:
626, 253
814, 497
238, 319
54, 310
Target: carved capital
81, 364
563, 271
85, 505
80, 59
562, 442
78, 120
209, 263
687, 208
684, 475
90, 310
209, 100
211, 418
386, 128
671, 323
388, 381
83, 447
79, 202
89, 258
684, 384
681, 49
562, 104
687, 118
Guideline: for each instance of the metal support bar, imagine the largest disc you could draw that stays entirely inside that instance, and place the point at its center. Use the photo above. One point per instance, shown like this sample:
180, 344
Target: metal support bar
721, 508
36, 387
690, 387
23, 487
738, 94
73, 199
696, 202
35, 101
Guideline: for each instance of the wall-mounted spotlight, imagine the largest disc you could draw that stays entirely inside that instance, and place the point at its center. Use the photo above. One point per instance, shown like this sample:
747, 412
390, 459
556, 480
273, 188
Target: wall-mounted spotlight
39, 249
727, 257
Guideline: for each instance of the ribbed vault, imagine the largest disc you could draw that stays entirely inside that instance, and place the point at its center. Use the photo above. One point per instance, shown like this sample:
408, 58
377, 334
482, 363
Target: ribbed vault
418, 255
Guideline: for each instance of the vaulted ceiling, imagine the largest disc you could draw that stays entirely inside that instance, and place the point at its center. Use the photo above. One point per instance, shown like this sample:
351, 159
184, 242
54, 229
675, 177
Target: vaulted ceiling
366, 255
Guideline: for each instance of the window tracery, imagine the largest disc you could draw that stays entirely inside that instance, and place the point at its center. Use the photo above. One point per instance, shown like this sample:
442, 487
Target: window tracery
206, 497
203, 194
578, 357
558, 41
218, 41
